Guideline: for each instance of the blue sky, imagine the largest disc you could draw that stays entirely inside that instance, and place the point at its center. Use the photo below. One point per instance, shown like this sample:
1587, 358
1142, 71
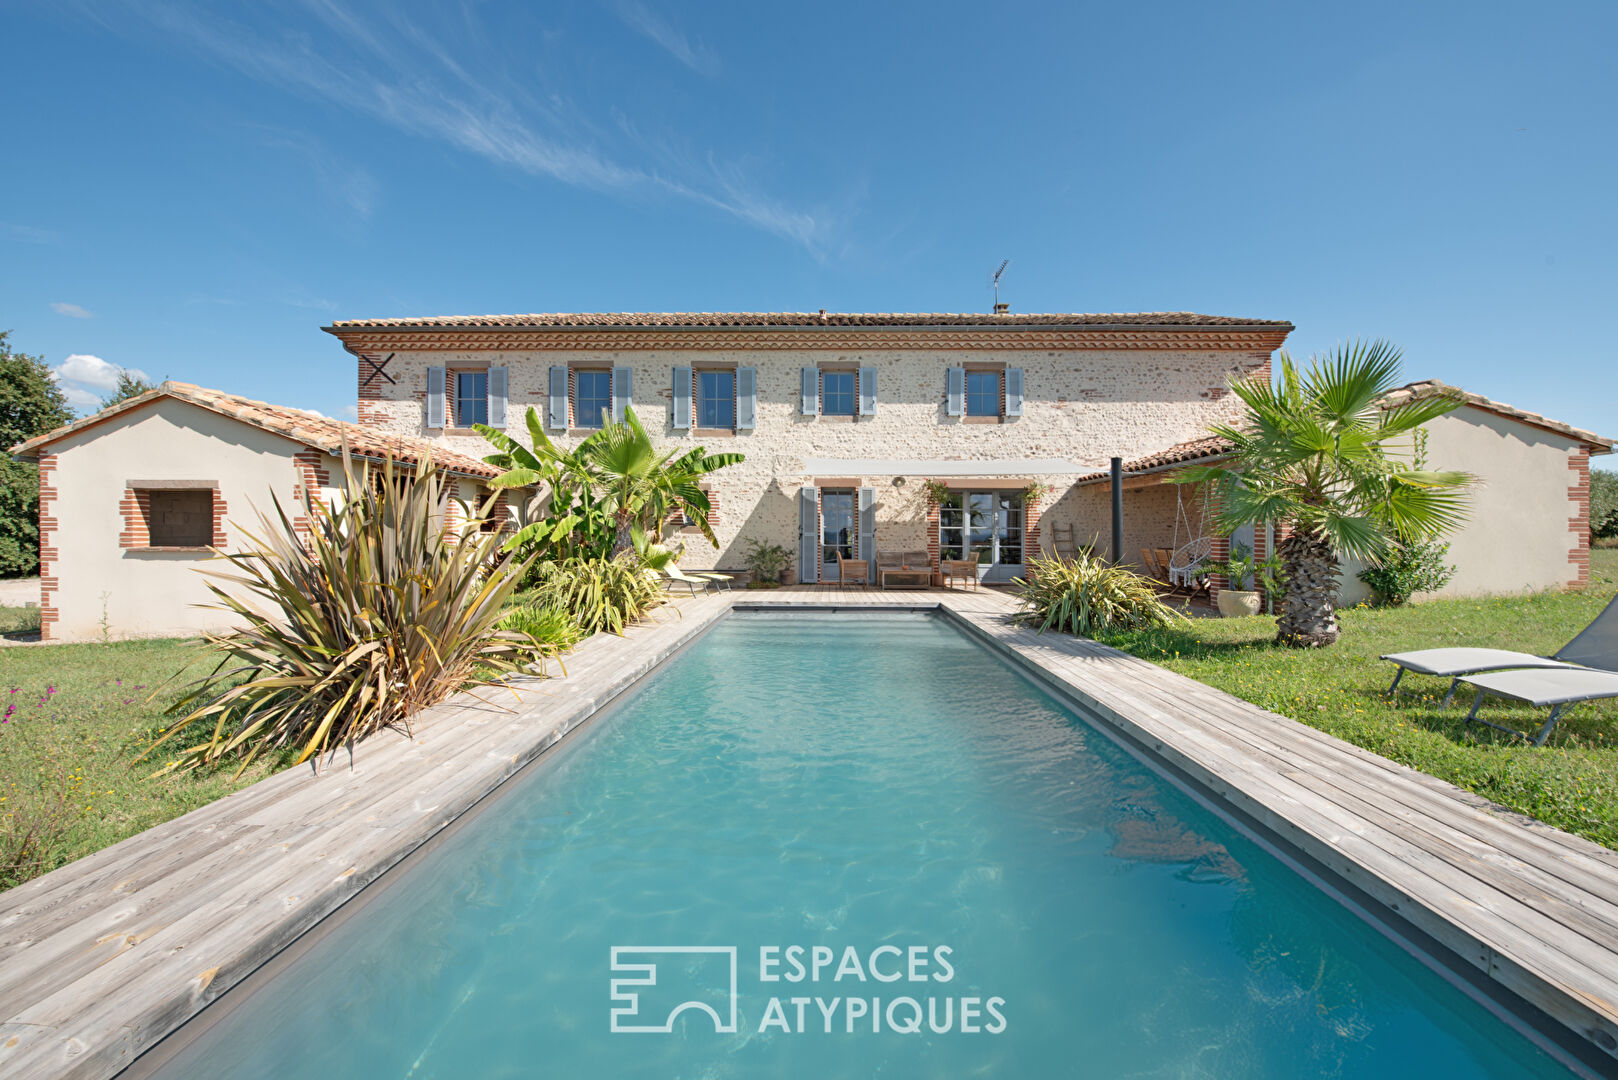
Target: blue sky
192, 190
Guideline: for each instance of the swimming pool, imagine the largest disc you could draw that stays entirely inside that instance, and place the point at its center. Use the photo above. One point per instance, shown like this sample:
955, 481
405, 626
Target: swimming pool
893, 793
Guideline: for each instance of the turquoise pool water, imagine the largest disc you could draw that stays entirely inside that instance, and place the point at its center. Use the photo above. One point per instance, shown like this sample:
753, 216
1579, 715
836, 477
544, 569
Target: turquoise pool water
874, 785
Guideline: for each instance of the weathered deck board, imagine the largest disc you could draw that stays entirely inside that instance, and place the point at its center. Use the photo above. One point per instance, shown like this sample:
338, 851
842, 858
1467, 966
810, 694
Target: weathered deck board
101, 959
104, 957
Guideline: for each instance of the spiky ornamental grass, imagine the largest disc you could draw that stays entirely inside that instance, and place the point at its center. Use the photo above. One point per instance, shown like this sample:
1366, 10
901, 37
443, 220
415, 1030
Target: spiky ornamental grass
378, 613
1088, 596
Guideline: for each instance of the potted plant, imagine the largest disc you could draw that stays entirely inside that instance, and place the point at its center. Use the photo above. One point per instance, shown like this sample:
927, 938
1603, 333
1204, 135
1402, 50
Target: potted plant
765, 564
1238, 570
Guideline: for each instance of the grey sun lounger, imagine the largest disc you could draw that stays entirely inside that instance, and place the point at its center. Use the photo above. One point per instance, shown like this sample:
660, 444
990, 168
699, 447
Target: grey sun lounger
1556, 687
1596, 646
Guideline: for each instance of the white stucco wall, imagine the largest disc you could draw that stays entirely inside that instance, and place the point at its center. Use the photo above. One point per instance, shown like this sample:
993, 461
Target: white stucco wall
1081, 406
145, 593
1517, 537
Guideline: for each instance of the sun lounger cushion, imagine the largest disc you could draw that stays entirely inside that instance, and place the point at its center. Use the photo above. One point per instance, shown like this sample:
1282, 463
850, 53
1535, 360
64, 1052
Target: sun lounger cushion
1558, 687
1463, 661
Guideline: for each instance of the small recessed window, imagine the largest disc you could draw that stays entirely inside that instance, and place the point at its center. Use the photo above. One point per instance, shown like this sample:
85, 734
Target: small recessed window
716, 400
837, 393
983, 393
592, 397
471, 398
180, 518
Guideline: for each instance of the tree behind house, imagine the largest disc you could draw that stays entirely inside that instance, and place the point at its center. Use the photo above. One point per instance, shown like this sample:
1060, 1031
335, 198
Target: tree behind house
31, 403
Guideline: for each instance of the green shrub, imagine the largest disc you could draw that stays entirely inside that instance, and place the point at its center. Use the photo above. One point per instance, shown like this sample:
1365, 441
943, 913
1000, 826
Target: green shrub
379, 612
1412, 568
766, 562
1089, 596
600, 594
554, 631
1603, 504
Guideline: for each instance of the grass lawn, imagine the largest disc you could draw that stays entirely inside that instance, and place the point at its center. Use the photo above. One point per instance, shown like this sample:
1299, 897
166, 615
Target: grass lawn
78, 717
18, 620
1571, 783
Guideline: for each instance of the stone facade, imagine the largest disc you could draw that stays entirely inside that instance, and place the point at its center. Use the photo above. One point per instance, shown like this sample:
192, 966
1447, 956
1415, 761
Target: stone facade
1083, 402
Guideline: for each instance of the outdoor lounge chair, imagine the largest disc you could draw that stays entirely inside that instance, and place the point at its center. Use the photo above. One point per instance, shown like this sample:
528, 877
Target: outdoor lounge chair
1557, 687
1596, 646
853, 571
672, 576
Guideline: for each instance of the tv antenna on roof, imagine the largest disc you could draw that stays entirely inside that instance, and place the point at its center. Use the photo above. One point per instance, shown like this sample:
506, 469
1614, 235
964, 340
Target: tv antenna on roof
997, 273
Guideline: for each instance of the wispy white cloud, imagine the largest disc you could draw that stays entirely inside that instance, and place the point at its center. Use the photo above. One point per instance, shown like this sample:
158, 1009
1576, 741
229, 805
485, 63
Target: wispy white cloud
390, 70
346, 183
72, 311
31, 234
643, 20
85, 379
351, 412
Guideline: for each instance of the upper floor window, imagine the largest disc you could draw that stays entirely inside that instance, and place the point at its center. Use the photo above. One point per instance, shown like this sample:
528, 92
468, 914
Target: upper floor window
592, 396
716, 399
470, 398
983, 393
837, 393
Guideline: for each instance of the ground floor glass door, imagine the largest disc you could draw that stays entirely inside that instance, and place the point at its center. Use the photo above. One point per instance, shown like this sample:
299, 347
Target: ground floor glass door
836, 531
984, 526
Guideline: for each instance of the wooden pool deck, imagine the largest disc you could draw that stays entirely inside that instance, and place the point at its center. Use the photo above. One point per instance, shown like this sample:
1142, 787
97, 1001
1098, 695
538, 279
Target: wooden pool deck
101, 959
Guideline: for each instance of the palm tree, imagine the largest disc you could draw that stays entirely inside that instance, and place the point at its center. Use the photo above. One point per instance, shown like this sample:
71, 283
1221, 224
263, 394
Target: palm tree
1314, 453
614, 478
640, 487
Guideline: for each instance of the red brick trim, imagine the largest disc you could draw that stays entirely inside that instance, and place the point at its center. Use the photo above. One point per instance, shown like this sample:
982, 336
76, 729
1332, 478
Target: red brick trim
1578, 493
932, 534
49, 615
136, 509
1031, 511
311, 476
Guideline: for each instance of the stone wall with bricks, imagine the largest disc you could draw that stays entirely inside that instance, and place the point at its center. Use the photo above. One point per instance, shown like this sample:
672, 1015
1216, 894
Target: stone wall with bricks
1080, 405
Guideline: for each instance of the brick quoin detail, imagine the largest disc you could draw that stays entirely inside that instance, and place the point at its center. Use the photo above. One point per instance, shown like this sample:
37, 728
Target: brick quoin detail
1578, 494
48, 553
932, 536
311, 477
1030, 537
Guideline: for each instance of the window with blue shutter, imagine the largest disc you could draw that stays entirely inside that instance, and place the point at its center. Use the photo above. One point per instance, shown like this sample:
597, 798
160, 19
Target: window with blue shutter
497, 397
837, 393
955, 393
435, 397
746, 398
811, 392
592, 396
1014, 391
557, 412
623, 380
867, 391
682, 399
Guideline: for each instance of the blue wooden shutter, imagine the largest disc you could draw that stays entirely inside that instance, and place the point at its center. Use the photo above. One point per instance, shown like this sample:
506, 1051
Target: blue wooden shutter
497, 398
867, 391
868, 529
622, 379
955, 385
811, 391
746, 398
682, 399
435, 397
808, 534
1014, 391
558, 395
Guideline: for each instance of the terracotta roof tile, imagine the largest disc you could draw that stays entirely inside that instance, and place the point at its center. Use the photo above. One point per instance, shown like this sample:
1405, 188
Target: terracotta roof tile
1428, 387
642, 320
320, 432
1207, 448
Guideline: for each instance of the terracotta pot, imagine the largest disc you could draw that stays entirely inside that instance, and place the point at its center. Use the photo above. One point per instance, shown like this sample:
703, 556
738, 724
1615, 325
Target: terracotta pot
1236, 602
